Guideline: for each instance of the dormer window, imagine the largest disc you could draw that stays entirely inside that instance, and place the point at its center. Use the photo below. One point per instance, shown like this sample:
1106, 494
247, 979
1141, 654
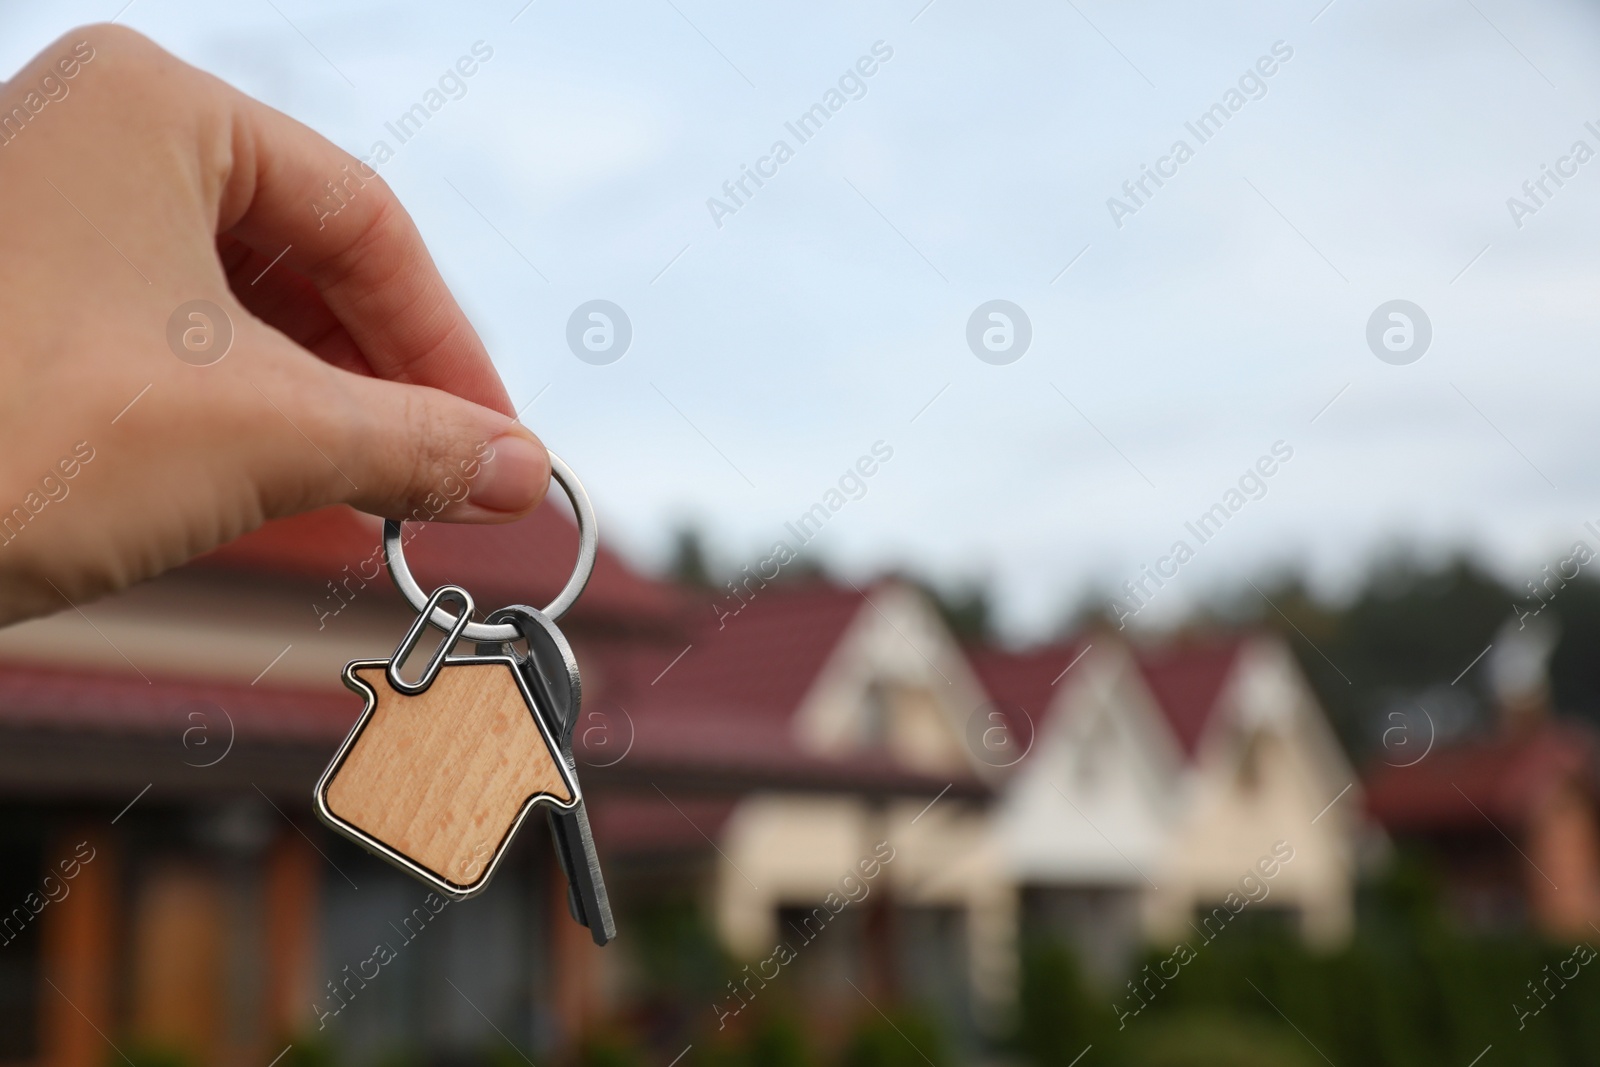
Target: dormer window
875, 713
1250, 757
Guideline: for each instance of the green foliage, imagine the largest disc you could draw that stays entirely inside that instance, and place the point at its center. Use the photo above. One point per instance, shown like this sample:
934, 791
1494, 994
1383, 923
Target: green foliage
773, 1040
1410, 628
904, 1039
968, 611
150, 1056
1217, 1040
1059, 1015
1403, 993
780, 1042
689, 564
504, 1054
610, 1051
676, 949
718, 1051
308, 1051
399, 1057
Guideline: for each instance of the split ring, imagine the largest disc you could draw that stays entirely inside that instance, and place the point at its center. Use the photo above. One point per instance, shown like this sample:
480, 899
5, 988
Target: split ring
500, 633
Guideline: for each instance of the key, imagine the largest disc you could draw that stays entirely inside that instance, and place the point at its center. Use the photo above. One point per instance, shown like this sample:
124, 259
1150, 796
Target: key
444, 803
551, 670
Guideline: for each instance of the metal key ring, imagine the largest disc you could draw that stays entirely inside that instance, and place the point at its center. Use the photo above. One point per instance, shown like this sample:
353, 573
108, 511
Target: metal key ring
588, 549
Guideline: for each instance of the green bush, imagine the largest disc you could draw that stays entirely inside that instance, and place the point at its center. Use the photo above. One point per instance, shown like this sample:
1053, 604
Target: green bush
1402, 993
904, 1039
780, 1042
597, 1051
1059, 1014
150, 1056
1215, 1040
308, 1051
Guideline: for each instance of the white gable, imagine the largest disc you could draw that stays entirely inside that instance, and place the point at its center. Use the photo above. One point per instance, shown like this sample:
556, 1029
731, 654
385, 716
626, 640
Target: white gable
897, 680
1093, 803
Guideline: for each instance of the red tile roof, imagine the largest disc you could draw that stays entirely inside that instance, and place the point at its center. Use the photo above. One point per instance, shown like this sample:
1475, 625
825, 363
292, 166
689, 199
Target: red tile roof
70, 699
725, 708
1023, 685
1506, 779
719, 717
525, 562
763, 659
657, 823
1187, 678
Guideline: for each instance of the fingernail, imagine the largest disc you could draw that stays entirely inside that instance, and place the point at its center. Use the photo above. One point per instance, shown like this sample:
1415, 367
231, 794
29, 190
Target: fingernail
514, 477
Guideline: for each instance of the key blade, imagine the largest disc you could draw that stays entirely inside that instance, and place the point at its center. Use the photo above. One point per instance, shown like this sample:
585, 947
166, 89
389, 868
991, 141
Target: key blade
567, 857
590, 883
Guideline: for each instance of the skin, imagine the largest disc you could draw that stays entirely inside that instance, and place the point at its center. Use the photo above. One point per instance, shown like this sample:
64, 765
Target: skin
353, 376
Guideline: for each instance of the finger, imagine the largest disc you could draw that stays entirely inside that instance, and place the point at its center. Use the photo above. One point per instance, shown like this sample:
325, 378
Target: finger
402, 451
342, 228
290, 304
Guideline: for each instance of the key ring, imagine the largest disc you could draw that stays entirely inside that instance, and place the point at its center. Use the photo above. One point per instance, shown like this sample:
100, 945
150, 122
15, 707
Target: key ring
500, 633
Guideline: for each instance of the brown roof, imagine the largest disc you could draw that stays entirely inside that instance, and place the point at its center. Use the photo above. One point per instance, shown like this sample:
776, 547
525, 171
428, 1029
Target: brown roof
1505, 779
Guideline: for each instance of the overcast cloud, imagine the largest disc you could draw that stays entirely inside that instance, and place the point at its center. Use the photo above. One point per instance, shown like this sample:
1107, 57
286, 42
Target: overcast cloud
828, 310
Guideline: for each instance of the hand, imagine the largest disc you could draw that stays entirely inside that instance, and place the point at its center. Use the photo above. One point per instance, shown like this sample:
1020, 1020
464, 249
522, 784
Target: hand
134, 184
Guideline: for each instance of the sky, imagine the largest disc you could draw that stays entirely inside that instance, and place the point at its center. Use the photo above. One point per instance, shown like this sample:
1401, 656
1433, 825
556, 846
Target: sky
1179, 333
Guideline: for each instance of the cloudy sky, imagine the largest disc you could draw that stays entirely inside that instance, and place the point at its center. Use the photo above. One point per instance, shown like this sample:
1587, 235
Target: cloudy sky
829, 310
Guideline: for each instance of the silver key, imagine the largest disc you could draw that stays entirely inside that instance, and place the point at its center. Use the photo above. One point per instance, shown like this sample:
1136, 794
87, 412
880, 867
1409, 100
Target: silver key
551, 671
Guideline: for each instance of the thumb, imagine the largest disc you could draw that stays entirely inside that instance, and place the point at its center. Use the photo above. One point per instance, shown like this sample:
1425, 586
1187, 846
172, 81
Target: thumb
414, 452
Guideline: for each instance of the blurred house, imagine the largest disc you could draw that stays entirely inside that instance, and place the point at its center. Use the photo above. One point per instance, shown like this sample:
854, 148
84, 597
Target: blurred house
869, 685
858, 810
168, 887
1160, 779
1510, 821
173, 733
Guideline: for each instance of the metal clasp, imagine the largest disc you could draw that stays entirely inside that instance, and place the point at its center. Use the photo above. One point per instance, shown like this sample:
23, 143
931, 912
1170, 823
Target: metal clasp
409, 642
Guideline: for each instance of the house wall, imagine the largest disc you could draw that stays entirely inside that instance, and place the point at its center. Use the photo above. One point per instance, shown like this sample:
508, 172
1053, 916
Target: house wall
189, 624
897, 661
1563, 846
1264, 772
785, 851
1108, 815
1090, 805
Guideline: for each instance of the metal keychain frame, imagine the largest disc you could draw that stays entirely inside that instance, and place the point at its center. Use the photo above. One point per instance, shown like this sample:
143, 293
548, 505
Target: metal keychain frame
501, 633
540, 715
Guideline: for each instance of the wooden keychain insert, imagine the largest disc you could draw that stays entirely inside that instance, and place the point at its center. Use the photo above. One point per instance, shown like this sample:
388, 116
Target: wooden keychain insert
438, 774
